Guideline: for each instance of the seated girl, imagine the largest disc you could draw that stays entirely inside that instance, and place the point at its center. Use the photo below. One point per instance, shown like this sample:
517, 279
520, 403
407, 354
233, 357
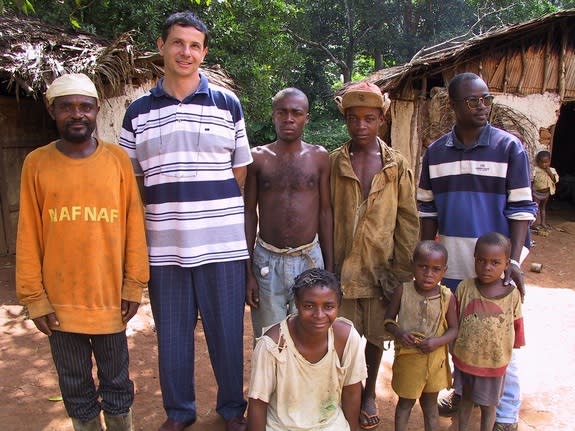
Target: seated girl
307, 369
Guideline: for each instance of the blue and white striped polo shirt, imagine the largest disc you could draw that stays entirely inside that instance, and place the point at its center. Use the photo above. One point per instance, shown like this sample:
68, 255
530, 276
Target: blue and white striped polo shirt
186, 151
472, 191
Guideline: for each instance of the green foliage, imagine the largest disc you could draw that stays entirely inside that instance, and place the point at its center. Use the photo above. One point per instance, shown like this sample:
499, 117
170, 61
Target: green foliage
260, 132
337, 30
492, 13
329, 133
109, 18
250, 43
24, 6
312, 45
363, 66
247, 39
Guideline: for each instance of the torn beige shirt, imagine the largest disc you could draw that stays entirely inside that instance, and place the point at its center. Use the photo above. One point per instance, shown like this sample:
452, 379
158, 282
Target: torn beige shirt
302, 395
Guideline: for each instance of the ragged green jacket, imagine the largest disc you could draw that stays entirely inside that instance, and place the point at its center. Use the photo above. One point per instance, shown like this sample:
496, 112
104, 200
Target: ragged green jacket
376, 236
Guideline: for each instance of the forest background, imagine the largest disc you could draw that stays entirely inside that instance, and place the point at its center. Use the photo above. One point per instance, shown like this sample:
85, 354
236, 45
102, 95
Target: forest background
315, 45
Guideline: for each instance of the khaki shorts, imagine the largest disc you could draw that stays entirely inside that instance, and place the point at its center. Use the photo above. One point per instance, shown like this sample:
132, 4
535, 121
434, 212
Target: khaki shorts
367, 315
415, 373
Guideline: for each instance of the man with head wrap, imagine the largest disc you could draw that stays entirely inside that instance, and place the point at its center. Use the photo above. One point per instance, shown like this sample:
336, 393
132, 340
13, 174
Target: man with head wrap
81, 257
375, 226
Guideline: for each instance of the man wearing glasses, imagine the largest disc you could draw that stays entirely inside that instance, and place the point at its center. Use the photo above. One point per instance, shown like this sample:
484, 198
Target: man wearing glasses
475, 179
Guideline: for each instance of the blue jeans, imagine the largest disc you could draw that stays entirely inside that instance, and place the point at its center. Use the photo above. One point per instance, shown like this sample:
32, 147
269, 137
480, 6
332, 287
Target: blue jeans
275, 273
510, 403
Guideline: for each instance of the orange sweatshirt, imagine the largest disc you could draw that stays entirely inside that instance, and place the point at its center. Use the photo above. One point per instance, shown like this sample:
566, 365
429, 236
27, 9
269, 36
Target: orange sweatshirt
81, 244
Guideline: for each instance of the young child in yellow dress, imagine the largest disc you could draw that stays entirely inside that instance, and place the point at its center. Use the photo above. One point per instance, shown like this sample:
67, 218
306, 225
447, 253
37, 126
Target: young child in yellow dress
426, 323
307, 370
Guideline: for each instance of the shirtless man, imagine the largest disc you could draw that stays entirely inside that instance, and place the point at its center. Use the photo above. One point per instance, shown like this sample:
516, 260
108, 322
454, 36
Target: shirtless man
287, 191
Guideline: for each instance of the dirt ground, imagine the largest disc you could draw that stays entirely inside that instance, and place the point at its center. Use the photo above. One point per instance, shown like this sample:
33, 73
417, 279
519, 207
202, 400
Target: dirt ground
28, 378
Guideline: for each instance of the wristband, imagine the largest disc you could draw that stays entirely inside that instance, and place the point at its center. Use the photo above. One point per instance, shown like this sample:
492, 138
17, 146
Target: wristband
514, 262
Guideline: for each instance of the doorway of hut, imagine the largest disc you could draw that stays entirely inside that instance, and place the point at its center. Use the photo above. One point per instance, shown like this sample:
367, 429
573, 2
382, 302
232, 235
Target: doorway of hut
25, 126
563, 154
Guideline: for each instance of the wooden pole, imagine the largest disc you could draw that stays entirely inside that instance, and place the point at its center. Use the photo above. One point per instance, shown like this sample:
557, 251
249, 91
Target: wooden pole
421, 100
546, 58
506, 71
523, 68
562, 54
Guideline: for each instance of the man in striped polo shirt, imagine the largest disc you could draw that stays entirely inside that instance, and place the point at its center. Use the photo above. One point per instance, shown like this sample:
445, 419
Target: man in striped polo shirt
475, 179
188, 144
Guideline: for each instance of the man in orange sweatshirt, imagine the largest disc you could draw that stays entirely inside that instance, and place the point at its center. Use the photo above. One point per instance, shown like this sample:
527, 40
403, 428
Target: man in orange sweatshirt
81, 257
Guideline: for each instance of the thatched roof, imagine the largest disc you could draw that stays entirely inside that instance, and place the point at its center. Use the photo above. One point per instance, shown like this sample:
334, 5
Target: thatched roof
451, 54
33, 53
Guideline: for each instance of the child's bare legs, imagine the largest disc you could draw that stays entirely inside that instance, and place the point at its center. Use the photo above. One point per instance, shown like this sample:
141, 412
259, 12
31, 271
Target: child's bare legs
402, 413
428, 403
543, 212
465, 408
487, 417
538, 214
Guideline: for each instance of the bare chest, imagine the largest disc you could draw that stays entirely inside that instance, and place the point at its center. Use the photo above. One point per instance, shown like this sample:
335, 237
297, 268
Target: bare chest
365, 167
289, 174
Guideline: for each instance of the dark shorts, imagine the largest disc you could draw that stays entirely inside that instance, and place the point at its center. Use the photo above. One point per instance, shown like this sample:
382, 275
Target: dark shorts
484, 391
540, 196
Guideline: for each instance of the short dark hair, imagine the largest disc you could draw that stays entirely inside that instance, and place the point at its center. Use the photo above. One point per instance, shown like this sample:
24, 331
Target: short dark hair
494, 238
290, 91
426, 247
316, 277
453, 86
185, 19
541, 154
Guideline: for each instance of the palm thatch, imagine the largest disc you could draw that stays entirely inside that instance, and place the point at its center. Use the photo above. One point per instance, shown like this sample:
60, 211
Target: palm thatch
526, 58
33, 53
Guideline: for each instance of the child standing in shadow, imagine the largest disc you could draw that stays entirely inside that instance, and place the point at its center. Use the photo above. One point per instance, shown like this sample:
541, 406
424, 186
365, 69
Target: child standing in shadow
544, 183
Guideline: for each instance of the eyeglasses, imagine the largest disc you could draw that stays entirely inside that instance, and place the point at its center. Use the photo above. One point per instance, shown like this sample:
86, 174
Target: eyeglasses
476, 102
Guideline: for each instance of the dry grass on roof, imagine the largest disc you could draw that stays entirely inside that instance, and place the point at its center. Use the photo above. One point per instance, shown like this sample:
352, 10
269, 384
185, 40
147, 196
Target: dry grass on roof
452, 54
34, 53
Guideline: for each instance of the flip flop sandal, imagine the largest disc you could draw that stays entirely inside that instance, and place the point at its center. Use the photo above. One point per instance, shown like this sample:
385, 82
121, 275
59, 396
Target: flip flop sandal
366, 424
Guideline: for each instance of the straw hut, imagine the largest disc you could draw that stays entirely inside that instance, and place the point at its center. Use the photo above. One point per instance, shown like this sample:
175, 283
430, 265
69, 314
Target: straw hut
32, 55
529, 67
